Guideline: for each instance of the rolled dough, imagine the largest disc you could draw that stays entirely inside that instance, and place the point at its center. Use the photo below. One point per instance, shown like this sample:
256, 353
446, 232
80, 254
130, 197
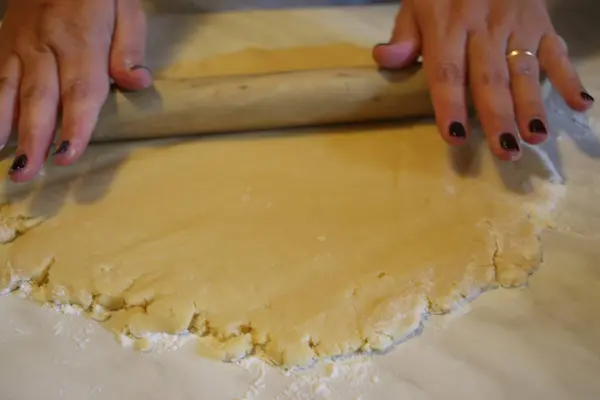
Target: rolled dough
291, 247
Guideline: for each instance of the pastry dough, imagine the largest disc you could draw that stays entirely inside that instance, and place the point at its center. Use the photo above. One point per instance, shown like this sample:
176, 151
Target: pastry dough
290, 247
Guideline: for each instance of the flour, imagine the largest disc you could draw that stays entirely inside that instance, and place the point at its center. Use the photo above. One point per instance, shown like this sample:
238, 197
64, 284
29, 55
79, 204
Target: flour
157, 342
259, 370
344, 379
72, 326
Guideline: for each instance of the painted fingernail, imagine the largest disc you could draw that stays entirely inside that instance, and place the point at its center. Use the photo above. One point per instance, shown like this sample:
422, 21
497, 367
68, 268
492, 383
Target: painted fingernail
136, 67
587, 97
456, 129
537, 126
62, 148
509, 142
18, 165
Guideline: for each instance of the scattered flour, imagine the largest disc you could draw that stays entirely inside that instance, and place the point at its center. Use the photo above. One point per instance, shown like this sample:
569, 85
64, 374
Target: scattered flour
342, 379
337, 379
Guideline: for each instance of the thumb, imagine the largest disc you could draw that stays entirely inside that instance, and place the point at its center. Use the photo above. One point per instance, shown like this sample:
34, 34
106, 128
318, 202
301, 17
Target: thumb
405, 45
129, 47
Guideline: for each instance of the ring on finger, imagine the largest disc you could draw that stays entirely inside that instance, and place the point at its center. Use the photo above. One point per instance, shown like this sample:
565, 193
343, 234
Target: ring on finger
515, 53
525, 87
524, 66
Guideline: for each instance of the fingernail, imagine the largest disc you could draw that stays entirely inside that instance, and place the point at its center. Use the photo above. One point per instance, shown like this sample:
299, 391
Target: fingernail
18, 165
537, 126
62, 148
136, 67
509, 142
587, 97
456, 129
382, 44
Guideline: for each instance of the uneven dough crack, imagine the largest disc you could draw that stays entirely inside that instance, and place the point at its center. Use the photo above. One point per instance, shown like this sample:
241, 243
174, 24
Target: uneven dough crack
14, 226
36, 282
495, 253
198, 327
42, 277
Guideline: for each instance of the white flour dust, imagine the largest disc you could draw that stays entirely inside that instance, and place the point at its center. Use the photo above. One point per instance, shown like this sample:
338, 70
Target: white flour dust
342, 379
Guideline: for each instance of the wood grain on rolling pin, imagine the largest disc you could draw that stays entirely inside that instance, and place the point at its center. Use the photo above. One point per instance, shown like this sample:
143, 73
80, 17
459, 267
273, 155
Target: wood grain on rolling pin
253, 60
179, 107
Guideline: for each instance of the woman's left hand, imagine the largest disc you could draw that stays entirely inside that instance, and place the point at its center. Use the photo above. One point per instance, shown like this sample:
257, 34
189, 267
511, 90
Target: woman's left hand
496, 46
56, 61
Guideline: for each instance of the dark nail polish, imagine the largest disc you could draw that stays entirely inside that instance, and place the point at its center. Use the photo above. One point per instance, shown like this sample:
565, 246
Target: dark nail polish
136, 67
537, 126
456, 129
509, 142
586, 96
62, 148
18, 165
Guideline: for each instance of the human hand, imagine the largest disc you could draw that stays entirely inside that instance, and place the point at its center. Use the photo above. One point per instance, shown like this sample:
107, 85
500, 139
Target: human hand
56, 61
498, 47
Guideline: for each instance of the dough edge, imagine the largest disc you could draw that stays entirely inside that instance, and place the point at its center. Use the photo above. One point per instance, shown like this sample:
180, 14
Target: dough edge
390, 329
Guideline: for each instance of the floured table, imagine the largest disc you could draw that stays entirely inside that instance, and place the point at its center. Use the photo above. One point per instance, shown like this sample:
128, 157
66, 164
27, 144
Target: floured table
539, 341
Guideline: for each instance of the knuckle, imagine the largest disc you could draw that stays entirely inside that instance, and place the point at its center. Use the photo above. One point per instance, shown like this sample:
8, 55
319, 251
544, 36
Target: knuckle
67, 35
492, 77
81, 90
524, 67
498, 34
28, 47
35, 93
8, 85
41, 48
44, 31
477, 33
76, 90
55, 41
47, 6
486, 41
449, 73
486, 37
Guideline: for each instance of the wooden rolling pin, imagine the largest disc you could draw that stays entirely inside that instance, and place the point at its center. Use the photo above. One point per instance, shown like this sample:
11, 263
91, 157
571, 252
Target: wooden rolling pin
258, 102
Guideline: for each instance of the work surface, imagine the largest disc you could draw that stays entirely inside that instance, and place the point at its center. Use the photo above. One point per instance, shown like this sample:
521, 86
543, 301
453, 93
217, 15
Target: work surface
536, 342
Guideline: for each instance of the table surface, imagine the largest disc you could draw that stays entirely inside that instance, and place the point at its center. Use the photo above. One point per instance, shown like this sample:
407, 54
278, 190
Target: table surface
541, 341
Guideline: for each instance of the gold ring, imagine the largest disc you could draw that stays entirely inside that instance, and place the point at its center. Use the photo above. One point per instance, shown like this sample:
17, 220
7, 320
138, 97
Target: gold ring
514, 53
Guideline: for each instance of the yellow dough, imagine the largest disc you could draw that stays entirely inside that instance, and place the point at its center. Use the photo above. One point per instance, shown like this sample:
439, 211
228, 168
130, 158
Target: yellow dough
289, 247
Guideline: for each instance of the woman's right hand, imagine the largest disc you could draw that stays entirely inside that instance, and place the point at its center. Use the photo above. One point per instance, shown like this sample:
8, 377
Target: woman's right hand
497, 47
